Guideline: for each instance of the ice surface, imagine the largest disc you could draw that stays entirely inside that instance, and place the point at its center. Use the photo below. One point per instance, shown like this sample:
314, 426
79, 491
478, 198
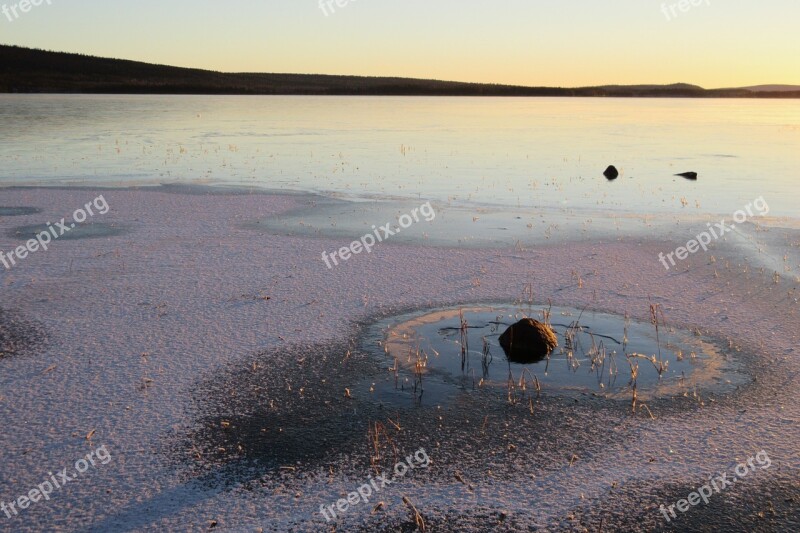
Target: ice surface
195, 316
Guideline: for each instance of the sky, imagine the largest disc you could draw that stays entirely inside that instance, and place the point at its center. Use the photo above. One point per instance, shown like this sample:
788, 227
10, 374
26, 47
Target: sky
717, 43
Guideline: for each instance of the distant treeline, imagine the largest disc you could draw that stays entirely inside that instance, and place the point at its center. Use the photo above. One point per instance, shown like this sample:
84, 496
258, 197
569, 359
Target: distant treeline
26, 70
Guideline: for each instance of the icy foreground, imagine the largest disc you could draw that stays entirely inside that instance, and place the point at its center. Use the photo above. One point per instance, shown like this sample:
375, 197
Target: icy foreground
211, 358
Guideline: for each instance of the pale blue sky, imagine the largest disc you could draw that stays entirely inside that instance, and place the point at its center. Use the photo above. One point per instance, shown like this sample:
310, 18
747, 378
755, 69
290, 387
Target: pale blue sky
718, 43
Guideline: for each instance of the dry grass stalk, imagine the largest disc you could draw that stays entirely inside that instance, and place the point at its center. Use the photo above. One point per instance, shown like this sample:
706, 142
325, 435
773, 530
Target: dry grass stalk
418, 520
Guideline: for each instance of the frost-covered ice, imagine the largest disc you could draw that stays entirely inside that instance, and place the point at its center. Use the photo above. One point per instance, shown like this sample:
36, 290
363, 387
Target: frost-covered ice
172, 342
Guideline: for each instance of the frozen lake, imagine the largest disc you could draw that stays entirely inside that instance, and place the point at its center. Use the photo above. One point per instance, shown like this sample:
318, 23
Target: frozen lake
193, 344
520, 152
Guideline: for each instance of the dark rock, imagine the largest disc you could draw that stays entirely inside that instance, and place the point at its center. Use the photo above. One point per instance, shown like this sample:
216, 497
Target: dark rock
611, 172
688, 175
528, 341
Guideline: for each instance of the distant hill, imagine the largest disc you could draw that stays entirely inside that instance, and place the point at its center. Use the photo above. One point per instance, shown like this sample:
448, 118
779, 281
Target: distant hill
674, 86
773, 88
27, 70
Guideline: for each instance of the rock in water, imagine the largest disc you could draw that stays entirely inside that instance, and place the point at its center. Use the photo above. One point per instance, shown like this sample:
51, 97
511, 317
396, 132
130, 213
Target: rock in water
528, 341
688, 175
611, 172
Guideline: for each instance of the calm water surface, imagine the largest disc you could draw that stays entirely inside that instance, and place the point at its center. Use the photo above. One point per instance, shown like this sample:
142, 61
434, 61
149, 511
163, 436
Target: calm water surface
521, 152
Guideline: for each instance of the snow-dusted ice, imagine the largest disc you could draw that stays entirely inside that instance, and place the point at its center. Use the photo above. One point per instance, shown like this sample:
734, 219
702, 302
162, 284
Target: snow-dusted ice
206, 345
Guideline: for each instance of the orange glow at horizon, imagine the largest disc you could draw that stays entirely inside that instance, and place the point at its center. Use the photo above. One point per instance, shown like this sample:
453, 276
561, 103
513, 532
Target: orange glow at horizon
569, 43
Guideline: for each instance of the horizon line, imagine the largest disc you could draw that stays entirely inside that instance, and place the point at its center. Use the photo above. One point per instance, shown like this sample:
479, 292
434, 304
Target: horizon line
441, 80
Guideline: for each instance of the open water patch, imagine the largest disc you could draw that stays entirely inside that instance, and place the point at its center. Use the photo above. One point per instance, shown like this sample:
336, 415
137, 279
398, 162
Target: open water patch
74, 231
6, 211
433, 355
